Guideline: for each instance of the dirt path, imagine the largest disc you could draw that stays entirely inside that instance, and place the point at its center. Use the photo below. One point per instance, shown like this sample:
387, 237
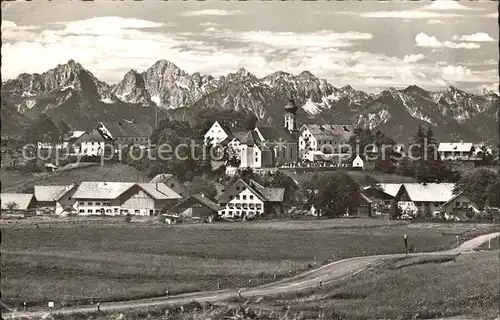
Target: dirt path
327, 274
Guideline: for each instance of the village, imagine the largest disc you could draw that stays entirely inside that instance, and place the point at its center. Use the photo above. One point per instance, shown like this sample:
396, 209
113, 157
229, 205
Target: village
264, 150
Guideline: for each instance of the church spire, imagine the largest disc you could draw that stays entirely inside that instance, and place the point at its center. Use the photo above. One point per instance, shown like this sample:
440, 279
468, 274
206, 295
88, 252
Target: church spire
291, 107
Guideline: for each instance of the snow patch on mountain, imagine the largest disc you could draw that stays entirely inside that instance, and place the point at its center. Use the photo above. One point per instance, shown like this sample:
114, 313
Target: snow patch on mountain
311, 108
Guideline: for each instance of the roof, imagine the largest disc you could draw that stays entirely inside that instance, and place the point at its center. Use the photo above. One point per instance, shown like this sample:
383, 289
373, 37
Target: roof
161, 177
275, 134
455, 147
330, 131
94, 136
238, 135
263, 193
365, 198
198, 198
390, 188
128, 129
112, 190
51, 193
431, 192
250, 138
159, 191
22, 200
101, 190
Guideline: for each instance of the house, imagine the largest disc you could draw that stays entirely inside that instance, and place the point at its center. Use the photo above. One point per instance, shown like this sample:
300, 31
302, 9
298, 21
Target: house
216, 134
24, 203
172, 182
360, 161
365, 206
247, 200
90, 144
460, 205
196, 206
327, 138
417, 198
126, 133
455, 151
384, 194
233, 144
121, 198
265, 147
57, 199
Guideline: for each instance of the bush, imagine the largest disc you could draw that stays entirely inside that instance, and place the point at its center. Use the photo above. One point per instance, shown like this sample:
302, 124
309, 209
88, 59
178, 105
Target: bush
128, 218
161, 219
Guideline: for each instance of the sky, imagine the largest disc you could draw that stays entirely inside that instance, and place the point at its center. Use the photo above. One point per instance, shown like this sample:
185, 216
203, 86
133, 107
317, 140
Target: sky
370, 45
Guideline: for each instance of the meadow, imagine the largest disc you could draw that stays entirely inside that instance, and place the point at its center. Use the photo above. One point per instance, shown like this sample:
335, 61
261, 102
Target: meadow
19, 181
81, 262
467, 286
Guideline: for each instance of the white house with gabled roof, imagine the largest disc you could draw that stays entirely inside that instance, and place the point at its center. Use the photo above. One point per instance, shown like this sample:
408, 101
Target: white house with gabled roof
216, 134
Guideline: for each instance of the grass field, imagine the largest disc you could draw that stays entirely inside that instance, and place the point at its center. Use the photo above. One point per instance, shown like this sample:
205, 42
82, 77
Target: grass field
357, 175
467, 286
110, 262
17, 181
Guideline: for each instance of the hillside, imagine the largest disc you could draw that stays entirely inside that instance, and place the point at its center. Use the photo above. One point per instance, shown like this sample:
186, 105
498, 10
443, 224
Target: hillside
72, 94
15, 181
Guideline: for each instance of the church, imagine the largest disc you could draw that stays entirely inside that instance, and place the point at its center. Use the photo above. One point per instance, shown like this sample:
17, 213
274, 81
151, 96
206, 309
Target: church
265, 147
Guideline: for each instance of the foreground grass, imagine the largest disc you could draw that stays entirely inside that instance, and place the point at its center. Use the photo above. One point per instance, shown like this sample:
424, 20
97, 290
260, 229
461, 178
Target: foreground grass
17, 181
130, 261
404, 289
413, 288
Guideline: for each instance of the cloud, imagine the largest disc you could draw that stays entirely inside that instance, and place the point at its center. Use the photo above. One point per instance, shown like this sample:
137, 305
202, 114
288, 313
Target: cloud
445, 5
476, 37
209, 24
434, 21
211, 12
423, 40
413, 58
426, 41
406, 14
320, 39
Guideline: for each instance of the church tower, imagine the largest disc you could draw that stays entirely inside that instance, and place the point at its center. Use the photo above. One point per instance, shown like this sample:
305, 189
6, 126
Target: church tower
291, 115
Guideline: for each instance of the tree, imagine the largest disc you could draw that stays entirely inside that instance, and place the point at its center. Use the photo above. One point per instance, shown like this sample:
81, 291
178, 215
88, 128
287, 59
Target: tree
11, 206
481, 186
394, 211
279, 179
201, 186
333, 194
128, 218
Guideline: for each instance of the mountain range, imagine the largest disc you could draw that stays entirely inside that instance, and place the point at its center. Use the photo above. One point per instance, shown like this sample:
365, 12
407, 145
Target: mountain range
71, 96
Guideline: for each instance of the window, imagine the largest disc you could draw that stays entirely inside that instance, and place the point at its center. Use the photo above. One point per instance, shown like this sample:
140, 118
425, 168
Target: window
237, 188
82, 211
244, 197
238, 197
231, 205
465, 204
222, 212
137, 211
81, 203
89, 211
151, 212
245, 206
108, 210
116, 210
97, 203
259, 206
457, 204
251, 197
256, 159
238, 206
90, 203
252, 205
230, 213
172, 185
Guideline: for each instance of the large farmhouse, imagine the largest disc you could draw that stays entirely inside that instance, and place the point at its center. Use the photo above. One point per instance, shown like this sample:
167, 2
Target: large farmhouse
120, 198
417, 198
58, 199
247, 200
